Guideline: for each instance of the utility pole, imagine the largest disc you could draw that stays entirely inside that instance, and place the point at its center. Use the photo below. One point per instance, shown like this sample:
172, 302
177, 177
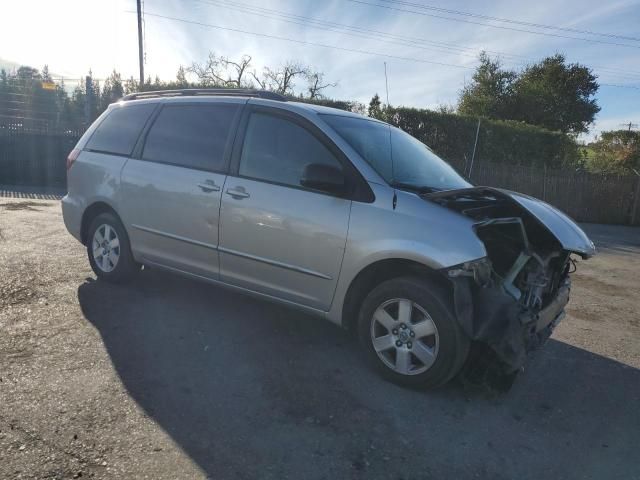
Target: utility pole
140, 48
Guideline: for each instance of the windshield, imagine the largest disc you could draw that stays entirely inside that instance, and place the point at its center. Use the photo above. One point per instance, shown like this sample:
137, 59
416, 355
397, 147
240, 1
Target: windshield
399, 158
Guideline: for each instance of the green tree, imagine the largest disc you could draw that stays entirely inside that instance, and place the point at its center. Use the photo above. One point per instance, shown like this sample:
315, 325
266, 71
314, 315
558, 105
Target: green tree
79, 99
112, 91
26, 102
375, 108
27, 75
65, 120
181, 78
131, 85
551, 94
490, 93
617, 151
46, 76
556, 95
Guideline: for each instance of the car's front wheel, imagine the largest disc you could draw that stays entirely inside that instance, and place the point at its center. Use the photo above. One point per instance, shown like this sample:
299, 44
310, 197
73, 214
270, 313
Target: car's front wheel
108, 249
409, 334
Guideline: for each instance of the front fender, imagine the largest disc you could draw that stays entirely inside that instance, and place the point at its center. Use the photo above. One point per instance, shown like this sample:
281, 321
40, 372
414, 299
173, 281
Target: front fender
415, 230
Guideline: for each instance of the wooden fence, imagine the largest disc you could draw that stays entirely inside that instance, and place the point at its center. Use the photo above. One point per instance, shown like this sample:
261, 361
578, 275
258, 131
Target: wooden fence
586, 197
34, 158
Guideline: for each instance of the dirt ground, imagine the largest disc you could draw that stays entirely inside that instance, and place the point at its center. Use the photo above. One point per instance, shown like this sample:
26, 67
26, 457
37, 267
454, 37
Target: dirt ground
168, 378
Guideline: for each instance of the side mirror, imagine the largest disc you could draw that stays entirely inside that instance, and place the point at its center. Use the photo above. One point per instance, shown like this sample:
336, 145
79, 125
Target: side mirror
325, 178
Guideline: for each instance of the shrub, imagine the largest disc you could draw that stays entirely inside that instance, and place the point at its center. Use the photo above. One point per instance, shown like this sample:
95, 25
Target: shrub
452, 137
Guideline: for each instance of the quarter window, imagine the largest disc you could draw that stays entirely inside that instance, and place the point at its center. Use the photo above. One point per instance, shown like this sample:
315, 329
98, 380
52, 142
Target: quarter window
193, 136
277, 150
119, 131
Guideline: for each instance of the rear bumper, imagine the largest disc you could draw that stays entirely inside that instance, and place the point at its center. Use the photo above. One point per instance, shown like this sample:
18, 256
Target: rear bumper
72, 215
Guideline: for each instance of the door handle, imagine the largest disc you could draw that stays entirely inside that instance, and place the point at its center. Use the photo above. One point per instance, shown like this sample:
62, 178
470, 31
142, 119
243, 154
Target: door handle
237, 192
209, 186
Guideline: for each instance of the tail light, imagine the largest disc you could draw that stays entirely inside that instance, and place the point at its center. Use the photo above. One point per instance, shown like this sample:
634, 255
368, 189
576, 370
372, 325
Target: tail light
73, 155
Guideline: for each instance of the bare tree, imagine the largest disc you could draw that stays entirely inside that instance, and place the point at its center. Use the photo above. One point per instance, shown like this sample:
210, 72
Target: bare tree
220, 71
239, 69
262, 82
316, 85
282, 79
211, 73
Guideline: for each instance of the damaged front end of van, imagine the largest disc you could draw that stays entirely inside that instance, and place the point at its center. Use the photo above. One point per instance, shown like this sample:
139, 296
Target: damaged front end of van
512, 299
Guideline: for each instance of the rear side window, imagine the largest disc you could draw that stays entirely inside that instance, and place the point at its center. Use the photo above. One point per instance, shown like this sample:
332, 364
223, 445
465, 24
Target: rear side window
117, 134
192, 136
277, 150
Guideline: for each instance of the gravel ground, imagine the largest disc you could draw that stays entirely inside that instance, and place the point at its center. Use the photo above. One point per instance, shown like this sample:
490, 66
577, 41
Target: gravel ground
169, 378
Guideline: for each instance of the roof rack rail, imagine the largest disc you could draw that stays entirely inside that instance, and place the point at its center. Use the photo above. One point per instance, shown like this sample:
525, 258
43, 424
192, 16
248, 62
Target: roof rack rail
223, 92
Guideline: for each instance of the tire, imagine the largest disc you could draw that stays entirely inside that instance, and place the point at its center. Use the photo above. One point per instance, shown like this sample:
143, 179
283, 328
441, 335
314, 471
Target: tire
111, 261
424, 348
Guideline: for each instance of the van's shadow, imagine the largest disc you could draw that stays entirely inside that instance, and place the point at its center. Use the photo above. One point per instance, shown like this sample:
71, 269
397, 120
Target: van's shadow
252, 390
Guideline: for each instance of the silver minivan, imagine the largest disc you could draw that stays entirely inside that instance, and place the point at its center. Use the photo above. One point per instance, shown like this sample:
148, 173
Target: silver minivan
340, 215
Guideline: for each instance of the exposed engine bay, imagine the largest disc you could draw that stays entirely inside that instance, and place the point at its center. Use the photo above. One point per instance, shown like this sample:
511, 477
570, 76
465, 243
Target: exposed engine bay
512, 299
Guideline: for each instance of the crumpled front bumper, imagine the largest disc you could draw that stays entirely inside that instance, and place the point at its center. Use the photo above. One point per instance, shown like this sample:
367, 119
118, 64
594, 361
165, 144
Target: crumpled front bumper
493, 317
551, 315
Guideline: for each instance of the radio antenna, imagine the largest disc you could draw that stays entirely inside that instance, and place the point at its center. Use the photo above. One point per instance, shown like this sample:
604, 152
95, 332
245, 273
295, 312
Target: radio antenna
386, 82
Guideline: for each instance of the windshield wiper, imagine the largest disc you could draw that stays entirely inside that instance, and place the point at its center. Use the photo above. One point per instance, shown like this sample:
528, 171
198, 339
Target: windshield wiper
420, 189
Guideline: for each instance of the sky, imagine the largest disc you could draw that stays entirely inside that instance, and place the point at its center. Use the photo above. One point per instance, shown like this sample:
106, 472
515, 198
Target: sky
73, 36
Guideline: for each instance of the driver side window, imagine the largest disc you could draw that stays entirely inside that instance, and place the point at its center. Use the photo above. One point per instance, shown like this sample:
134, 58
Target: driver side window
277, 150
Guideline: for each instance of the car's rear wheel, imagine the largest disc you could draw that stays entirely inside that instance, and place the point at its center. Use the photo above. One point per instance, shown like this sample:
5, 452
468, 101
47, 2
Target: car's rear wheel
409, 334
109, 251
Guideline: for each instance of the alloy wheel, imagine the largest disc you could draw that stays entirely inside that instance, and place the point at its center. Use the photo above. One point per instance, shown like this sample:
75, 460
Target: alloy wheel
404, 336
106, 248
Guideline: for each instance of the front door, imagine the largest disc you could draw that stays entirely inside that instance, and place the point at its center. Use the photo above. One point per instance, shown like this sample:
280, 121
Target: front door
277, 237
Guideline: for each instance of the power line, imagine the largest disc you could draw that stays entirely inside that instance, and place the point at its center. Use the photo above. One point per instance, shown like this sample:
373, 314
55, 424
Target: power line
360, 32
334, 47
510, 20
618, 86
332, 26
318, 23
305, 42
503, 27
72, 79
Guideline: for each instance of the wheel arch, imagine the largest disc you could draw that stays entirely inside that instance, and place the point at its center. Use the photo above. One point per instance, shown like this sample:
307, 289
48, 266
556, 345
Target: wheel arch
91, 212
380, 271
